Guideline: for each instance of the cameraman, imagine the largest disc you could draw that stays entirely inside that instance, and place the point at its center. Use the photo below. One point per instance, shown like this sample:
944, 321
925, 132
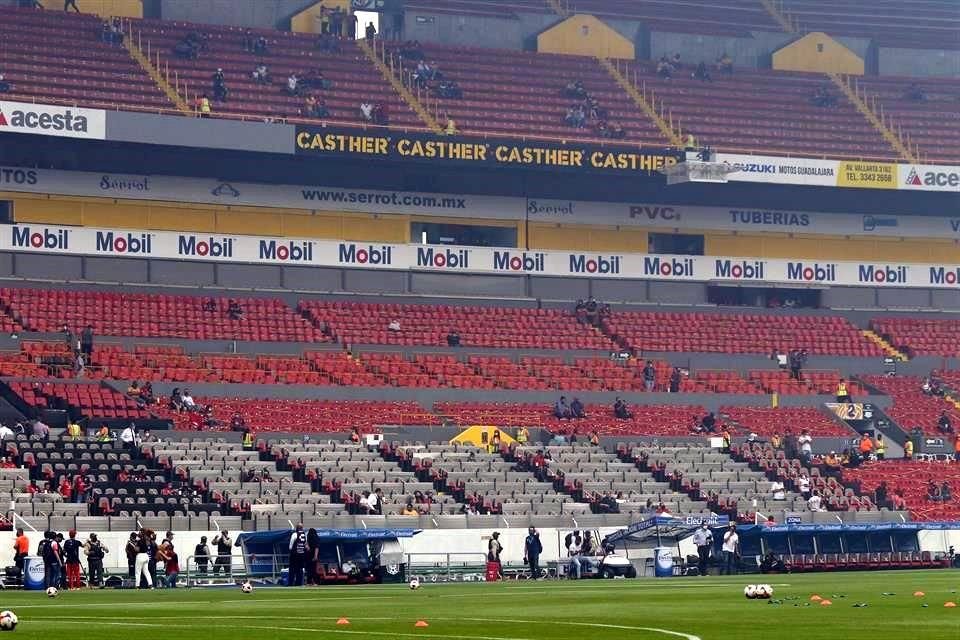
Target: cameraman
95, 553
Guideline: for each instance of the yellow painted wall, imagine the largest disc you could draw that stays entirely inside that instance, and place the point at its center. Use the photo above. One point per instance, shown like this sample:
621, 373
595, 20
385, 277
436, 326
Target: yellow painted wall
585, 35
585, 238
831, 247
820, 53
105, 8
308, 20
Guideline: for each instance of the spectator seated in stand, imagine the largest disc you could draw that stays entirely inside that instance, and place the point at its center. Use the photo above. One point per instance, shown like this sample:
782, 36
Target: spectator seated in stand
260, 46
725, 64
701, 73
411, 50
448, 89
576, 117
261, 75
450, 128
823, 97
220, 91
561, 409
664, 68
4, 84
293, 85
706, 424
933, 492
620, 410
915, 93
453, 338
574, 90
379, 114
576, 409
314, 79
944, 425
234, 310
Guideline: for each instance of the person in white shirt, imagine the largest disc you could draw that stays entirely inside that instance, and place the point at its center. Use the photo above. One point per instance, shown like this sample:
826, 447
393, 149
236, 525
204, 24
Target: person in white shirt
293, 84
703, 538
806, 446
187, 400
804, 483
129, 436
6, 433
730, 548
777, 489
573, 551
814, 502
394, 325
366, 108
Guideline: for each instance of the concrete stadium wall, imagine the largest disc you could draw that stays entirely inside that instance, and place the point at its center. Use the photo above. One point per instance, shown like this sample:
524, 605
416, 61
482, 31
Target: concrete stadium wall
266, 14
916, 62
750, 52
466, 30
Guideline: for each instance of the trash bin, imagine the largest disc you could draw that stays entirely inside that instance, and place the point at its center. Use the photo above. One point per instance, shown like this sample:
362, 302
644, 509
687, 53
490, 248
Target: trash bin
663, 563
493, 571
33, 573
284, 577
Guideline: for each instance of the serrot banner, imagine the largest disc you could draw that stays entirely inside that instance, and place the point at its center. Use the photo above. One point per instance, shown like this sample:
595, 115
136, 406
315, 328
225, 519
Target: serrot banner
743, 219
122, 243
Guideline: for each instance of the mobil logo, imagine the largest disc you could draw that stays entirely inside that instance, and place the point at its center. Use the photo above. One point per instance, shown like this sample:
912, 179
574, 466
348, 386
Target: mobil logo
526, 262
944, 275
882, 273
740, 269
814, 272
205, 247
443, 259
608, 265
40, 238
351, 253
668, 268
287, 251
128, 243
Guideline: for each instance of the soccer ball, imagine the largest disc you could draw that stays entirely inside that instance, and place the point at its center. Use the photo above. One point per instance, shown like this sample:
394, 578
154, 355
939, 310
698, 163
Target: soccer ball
764, 591
8, 621
246, 587
52, 592
415, 583
750, 591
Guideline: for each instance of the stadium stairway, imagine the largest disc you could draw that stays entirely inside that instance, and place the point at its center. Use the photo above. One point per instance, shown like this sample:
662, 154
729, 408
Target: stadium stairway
888, 130
888, 348
153, 70
379, 60
648, 106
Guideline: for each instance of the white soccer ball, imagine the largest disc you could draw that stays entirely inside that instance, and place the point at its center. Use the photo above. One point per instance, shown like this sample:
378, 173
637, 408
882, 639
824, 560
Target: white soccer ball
8, 621
52, 592
750, 591
415, 583
764, 591
246, 587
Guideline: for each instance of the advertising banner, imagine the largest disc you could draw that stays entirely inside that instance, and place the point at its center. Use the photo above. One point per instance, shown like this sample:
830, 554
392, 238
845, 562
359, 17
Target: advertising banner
451, 259
322, 198
479, 152
51, 120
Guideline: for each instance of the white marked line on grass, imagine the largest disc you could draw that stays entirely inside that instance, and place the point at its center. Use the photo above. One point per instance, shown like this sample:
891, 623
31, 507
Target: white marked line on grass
393, 634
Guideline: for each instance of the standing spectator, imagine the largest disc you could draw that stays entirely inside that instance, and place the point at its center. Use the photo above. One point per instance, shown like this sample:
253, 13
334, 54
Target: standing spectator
866, 446
41, 430
814, 502
261, 75
95, 553
49, 549
880, 494
649, 376
70, 4
201, 556
908, 449
532, 548
703, 538
132, 549
370, 32
21, 549
171, 562
806, 446
701, 72
298, 557
730, 549
796, 363
803, 484
129, 436
880, 447
71, 557
86, 342
224, 553
141, 569
494, 549
725, 64
675, 380
943, 423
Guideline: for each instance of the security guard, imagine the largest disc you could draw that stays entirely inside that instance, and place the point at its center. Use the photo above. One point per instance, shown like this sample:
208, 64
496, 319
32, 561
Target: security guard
73, 430
842, 394
908, 449
522, 436
247, 440
880, 447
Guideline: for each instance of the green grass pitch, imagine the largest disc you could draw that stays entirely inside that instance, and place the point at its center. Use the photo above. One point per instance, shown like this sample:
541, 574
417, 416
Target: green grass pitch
706, 608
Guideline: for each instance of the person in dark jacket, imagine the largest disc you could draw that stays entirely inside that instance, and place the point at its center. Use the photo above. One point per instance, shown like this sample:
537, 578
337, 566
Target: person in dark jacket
71, 557
298, 557
532, 548
95, 553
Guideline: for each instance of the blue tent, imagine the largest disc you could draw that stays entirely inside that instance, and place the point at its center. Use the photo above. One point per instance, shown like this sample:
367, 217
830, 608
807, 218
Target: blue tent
266, 552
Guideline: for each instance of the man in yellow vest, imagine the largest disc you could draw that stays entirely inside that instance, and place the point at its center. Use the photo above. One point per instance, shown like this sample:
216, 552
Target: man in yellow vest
73, 430
522, 436
248, 440
842, 394
880, 447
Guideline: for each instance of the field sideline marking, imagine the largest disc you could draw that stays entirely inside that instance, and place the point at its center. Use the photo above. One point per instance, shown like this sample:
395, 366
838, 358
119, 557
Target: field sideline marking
594, 625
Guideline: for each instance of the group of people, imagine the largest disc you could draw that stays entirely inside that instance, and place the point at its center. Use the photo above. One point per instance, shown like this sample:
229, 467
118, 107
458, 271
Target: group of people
591, 311
111, 31
668, 66
939, 493
144, 554
586, 109
80, 348
823, 96
61, 558
192, 45
374, 113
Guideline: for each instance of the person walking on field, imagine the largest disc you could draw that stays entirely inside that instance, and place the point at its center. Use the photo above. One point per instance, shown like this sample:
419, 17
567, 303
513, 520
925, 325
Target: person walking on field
532, 549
